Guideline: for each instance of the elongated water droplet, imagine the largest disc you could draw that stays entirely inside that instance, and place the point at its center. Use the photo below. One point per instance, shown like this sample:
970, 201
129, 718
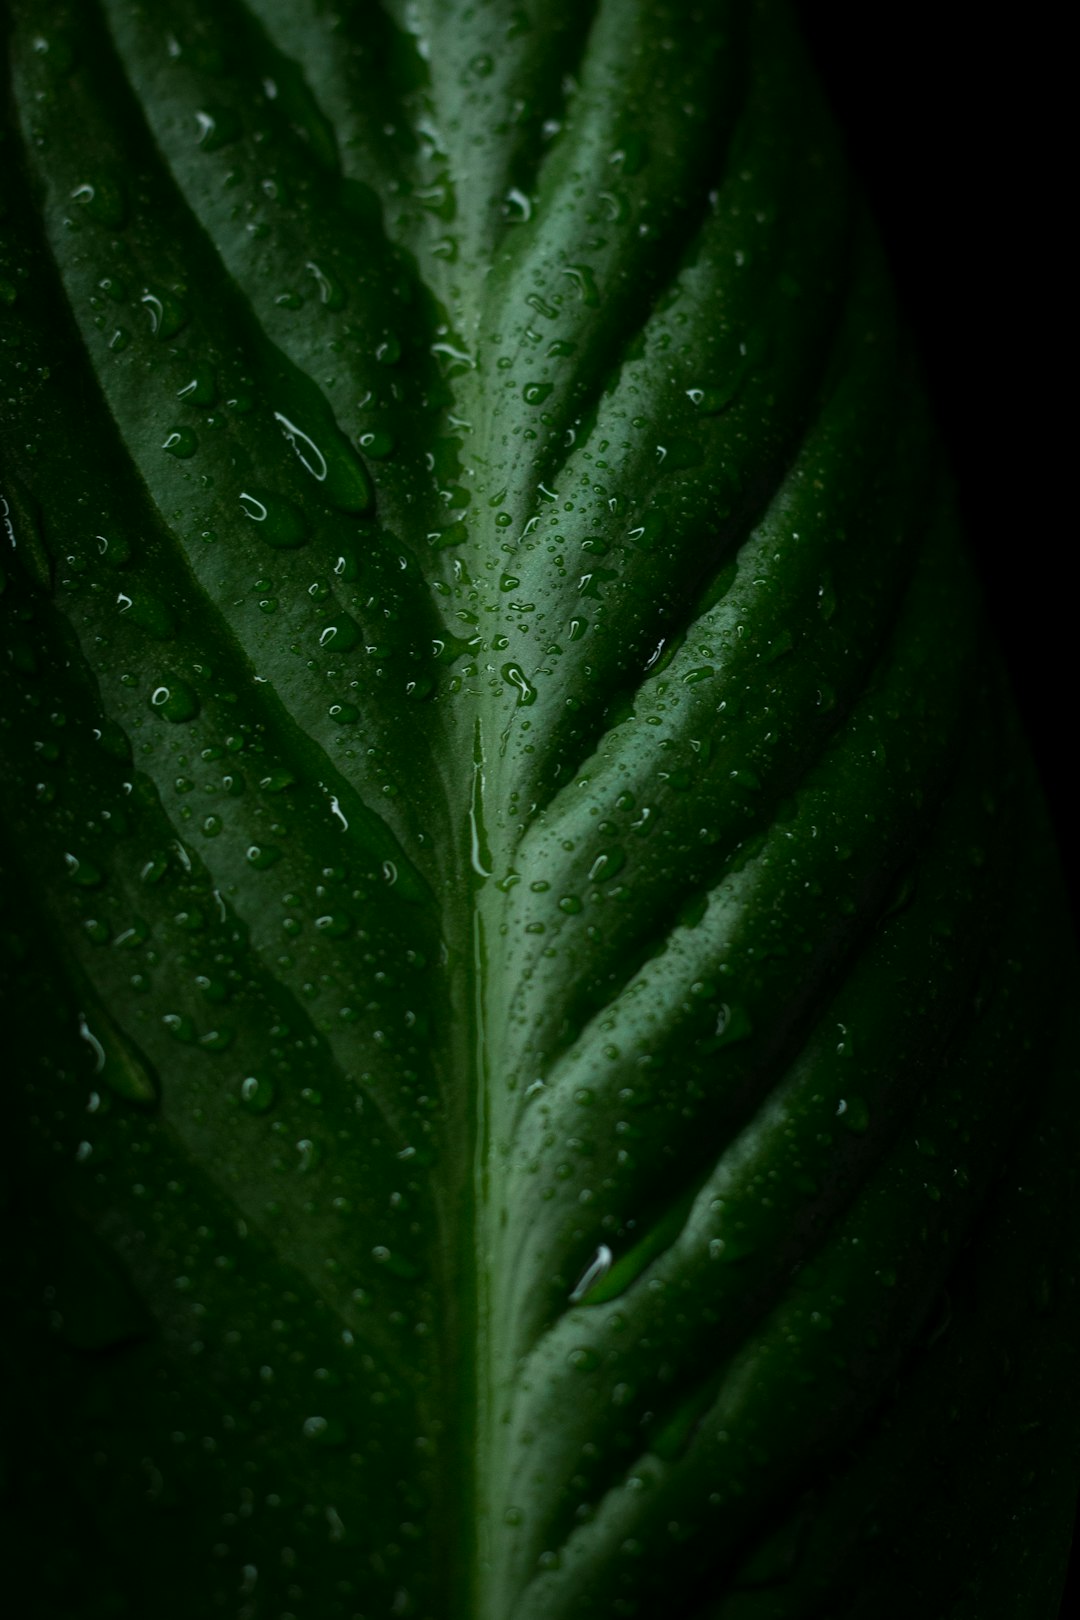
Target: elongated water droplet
598, 1267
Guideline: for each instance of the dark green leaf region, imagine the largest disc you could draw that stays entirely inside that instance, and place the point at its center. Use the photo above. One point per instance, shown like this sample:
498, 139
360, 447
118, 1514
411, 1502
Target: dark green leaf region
533, 1085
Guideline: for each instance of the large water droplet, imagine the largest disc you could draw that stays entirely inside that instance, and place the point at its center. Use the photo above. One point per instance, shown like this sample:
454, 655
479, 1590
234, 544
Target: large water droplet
515, 676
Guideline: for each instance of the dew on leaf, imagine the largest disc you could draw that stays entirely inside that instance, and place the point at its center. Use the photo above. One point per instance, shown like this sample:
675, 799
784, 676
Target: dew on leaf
343, 714
257, 1094
200, 389
607, 864
308, 1155
322, 1431
341, 636
585, 284
377, 445
180, 442
179, 1027
598, 1267
280, 524
103, 199
515, 676
167, 313
262, 856
175, 700
82, 872
215, 128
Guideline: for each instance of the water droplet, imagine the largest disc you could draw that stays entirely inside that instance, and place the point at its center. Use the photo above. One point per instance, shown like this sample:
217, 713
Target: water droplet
308, 1155
103, 199
280, 524
585, 283
515, 676
679, 452
217, 1040
277, 780
167, 314
82, 872
307, 451
394, 1262
175, 701
179, 1027
149, 612
606, 864
827, 598
322, 1431
377, 445
732, 1024
331, 293
215, 128
344, 714
334, 924
598, 1267
713, 401
631, 154
257, 1094
341, 636
262, 856
180, 442
201, 389
855, 1113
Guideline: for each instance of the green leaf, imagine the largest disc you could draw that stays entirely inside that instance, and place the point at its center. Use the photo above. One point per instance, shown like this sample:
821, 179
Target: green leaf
532, 953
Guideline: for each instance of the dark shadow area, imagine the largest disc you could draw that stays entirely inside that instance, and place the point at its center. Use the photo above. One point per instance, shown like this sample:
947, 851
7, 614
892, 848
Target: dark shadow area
952, 124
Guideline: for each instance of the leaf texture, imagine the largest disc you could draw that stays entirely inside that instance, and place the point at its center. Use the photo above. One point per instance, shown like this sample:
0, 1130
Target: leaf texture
531, 943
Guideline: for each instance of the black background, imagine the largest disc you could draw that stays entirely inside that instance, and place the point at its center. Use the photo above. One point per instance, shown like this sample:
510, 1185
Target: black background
952, 123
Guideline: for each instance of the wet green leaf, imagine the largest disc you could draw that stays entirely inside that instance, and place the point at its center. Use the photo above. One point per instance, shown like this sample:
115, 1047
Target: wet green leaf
532, 965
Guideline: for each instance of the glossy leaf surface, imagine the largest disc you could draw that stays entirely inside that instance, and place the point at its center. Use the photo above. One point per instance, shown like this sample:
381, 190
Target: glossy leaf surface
532, 952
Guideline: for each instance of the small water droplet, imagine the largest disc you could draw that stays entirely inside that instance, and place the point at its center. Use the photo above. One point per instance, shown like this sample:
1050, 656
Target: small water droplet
200, 389
167, 313
180, 442
262, 856
103, 199
585, 283
331, 293
82, 872
598, 1267
280, 524
175, 701
215, 128
322, 1431
341, 636
377, 445
257, 1094
607, 864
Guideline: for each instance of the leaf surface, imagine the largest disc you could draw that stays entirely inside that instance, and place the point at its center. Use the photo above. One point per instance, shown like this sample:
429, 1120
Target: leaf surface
530, 928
